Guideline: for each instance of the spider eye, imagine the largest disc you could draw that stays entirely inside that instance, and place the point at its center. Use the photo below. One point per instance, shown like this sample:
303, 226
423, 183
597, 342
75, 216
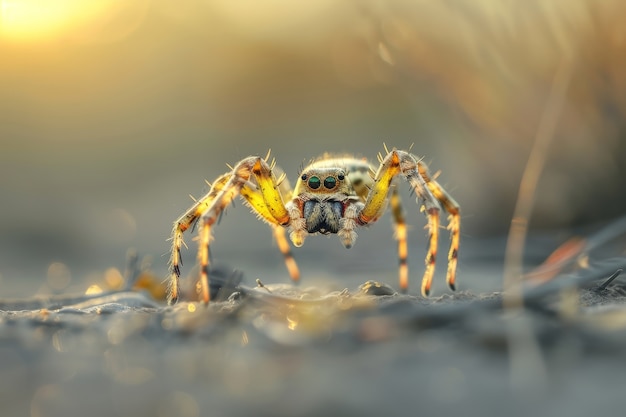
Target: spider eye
330, 182
340, 177
304, 177
314, 182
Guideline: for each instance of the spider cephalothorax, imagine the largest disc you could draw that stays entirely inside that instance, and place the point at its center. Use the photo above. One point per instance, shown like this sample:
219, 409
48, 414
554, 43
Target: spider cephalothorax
333, 195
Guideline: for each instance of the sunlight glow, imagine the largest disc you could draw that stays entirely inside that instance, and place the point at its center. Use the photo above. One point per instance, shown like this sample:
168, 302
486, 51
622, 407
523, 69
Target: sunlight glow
30, 19
51, 20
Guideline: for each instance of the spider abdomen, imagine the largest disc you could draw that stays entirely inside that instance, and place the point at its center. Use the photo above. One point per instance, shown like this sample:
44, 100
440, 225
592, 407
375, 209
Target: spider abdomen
322, 216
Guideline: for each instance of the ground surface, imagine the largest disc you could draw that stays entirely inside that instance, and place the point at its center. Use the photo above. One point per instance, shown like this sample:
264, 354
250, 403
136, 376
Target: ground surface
311, 352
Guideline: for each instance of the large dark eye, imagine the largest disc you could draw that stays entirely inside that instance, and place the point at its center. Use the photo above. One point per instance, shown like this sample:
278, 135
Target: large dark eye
314, 182
330, 182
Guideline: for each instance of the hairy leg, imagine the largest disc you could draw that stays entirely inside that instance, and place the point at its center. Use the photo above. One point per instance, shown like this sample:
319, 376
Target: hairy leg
401, 236
207, 210
454, 221
395, 163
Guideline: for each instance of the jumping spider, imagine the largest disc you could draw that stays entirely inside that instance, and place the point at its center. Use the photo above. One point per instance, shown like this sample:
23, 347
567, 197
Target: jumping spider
332, 195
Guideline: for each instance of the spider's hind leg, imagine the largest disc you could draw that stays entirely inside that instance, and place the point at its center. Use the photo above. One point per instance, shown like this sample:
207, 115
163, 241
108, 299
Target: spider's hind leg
429, 205
454, 221
401, 236
188, 220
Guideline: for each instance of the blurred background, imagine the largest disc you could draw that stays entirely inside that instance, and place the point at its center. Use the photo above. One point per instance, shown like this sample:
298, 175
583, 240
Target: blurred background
112, 112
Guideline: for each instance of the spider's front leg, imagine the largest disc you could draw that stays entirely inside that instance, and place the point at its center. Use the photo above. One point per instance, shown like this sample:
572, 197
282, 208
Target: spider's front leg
254, 198
206, 211
400, 162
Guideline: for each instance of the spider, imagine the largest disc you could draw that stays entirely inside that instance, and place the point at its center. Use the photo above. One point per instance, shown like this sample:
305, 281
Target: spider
333, 195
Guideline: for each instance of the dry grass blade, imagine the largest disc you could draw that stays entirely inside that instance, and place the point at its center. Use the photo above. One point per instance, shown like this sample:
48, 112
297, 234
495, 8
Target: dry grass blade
528, 371
530, 178
564, 255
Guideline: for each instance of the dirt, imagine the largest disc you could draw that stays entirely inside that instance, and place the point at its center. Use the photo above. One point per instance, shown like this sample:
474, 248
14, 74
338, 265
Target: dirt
286, 351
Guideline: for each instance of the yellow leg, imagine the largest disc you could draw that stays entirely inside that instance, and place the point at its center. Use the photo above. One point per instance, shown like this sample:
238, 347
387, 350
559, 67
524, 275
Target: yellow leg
401, 236
203, 257
454, 222
454, 225
210, 206
400, 162
208, 219
268, 186
256, 201
431, 255
377, 198
184, 222
283, 245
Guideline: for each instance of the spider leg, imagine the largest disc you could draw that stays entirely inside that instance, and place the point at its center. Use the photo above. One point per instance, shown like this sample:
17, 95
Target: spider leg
285, 249
211, 215
454, 221
207, 210
280, 233
184, 222
400, 234
255, 200
400, 162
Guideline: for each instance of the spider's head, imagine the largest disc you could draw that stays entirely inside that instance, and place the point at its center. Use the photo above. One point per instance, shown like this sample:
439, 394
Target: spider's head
322, 182
321, 195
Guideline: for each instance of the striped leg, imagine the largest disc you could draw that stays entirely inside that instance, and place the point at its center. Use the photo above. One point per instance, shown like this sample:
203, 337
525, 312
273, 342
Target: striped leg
208, 209
184, 222
400, 162
454, 221
203, 257
401, 236
431, 256
214, 203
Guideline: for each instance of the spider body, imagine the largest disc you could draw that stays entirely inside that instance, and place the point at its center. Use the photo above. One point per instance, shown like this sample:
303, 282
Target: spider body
333, 195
